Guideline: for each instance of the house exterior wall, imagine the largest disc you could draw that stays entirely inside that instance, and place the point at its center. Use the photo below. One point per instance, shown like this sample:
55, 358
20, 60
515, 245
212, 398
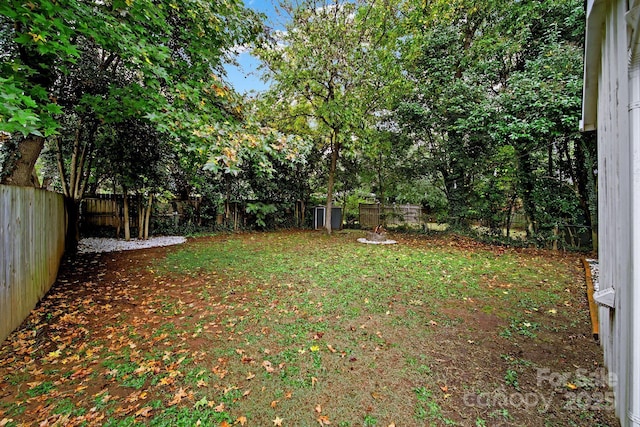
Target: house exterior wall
607, 108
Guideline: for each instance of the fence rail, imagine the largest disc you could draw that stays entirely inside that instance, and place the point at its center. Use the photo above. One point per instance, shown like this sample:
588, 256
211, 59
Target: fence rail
372, 215
32, 232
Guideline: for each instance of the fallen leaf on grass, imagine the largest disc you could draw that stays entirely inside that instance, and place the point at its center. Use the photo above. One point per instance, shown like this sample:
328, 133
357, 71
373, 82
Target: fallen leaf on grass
201, 403
219, 408
180, 394
225, 424
331, 349
250, 376
220, 373
144, 412
277, 421
267, 366
444, 388
166, 381
274, 403
241, 420
323, 420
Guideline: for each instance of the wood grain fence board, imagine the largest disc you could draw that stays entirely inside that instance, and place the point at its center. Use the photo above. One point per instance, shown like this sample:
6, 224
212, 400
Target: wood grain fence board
372, 215
32, 231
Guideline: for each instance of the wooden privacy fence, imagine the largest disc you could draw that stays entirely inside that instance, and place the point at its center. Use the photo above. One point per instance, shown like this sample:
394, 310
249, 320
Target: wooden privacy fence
106, 210
32, 232
372, 215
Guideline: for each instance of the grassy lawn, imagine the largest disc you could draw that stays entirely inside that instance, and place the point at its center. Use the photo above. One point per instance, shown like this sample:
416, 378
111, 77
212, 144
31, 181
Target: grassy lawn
304, 329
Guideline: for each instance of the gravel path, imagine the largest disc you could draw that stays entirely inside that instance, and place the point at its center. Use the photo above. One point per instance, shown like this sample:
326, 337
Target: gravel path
97, 245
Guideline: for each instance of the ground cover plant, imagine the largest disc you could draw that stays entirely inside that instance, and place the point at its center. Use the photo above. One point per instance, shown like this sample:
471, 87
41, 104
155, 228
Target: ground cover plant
306, 329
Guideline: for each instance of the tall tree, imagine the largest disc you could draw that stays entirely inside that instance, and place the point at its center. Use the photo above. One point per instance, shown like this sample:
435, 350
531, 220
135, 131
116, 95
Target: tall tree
496, 99
333, 66
447, 112
73, 68
105, 61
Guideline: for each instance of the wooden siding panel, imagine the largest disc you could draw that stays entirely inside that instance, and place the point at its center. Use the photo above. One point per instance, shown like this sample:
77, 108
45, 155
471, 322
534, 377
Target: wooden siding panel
32, 231
613, 195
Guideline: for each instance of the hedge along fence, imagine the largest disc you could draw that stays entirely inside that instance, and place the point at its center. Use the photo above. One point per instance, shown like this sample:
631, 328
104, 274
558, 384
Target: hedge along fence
32, 233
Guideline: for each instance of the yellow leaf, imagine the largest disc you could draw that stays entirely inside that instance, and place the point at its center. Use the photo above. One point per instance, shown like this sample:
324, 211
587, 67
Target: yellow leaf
241, 420
220, 91
314, 348
37, 37
166, 381
571, 386
53, 354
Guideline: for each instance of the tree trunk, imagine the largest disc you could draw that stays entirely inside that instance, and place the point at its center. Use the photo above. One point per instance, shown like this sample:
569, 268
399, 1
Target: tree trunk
512, 201
147, 217
141, 215
20, 171
125, 209
73, 225
335, 153
117, 211
527, 185
585, 182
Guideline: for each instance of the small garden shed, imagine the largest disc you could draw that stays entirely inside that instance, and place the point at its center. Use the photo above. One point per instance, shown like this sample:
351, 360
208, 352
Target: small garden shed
611, 105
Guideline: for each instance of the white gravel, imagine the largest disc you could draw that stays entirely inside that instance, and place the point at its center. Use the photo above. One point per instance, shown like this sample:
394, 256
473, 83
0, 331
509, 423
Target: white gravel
595, 273
97, 245
373, 242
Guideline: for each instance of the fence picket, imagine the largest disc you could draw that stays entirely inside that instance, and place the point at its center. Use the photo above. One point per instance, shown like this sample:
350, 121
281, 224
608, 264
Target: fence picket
32, 231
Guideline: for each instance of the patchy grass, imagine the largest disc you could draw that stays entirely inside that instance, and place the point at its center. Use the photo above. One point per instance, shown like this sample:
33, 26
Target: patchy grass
301, 329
